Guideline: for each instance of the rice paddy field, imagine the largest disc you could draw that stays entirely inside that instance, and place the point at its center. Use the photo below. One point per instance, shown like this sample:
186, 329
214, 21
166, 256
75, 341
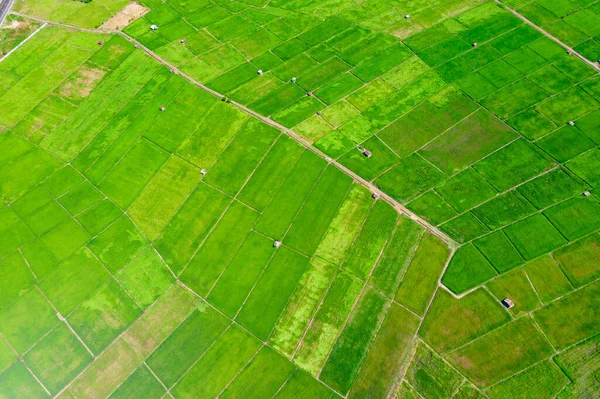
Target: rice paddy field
188, 212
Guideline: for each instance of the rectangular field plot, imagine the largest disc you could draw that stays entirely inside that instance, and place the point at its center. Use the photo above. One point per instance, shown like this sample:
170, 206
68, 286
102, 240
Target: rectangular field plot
126, 181
345, 225
514, 347
185, 232
187, 343
396, 257
236, 281
579, 261
262, 377
302, 305
163, 195
515, 285
418, 285
351, 347
282, 210
108, 371
61, 344
370, 242
320, 337
430, 375
381, 366
467, 269
571, 318
317, 212
74, 281
141, 383
579, 366
543, 380
100, 319
452, 322
534, 236
219, 365
26, 320
118, 244
513, 164
547, 278
271, 173
412, 176
219, 248
242, 156
467, 142
272, 292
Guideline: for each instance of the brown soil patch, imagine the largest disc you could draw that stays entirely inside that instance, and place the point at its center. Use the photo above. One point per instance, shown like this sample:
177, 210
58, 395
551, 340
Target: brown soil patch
83, 85
130, 13
17, 26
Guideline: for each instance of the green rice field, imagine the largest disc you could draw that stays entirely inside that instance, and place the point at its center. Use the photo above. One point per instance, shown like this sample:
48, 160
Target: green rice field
300, 199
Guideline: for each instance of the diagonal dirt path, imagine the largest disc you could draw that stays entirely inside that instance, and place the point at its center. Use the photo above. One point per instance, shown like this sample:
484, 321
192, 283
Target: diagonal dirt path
370, 186
594, 65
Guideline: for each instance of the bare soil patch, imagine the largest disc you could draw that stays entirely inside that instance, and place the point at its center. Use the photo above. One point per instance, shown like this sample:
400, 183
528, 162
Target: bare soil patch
82, 86
130, 13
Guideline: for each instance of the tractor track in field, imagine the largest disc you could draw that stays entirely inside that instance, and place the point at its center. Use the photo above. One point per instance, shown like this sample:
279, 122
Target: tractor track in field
369, 185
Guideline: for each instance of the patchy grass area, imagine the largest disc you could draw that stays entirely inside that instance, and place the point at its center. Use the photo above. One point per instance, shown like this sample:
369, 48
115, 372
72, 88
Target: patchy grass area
14, 30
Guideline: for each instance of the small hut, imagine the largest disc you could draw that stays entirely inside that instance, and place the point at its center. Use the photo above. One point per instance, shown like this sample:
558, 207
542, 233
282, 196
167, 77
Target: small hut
260, 72
367, 153
294, 80
507, 303
277, 244
162, 108
203, 172
586, 194
375, 196
153, 27
571, 123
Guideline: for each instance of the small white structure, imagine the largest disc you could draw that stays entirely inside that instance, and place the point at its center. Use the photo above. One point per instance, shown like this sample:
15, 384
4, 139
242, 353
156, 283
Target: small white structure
571, 123
260, 72
100, 42
294, 79
203, 172
136, 46
153, 27
162, 108
367, 153
182, 41
406, 16
375, 196
569, 52
586, 193
474, 44
277, 244
319, 113
507, 303
309, 94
